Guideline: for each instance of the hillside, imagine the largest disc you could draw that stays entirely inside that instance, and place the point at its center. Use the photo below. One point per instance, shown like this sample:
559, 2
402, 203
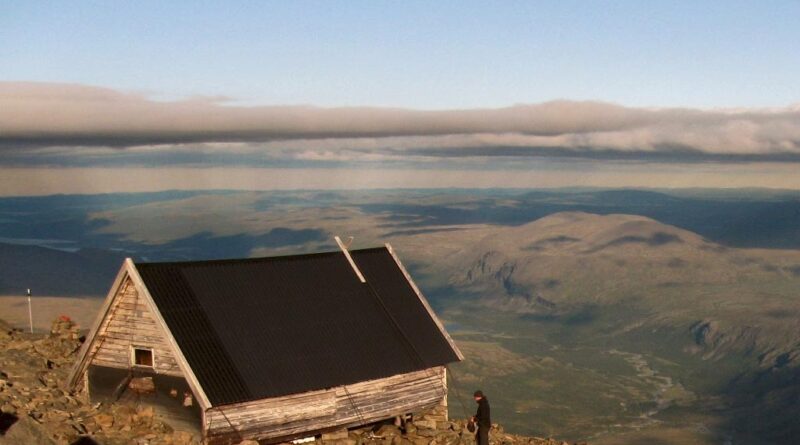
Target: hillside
717, 324
574, 259
540, 255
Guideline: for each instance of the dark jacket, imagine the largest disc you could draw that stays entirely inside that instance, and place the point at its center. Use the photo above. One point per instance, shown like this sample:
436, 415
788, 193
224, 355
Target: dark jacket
482, 416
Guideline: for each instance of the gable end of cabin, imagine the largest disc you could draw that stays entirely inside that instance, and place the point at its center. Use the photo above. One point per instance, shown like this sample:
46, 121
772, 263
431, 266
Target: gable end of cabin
128, 358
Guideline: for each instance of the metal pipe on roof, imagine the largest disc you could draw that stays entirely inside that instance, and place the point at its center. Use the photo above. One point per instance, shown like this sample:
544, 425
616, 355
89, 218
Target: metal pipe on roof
349, 258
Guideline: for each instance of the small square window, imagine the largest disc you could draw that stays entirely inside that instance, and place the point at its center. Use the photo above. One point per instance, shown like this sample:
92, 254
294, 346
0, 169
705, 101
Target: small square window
143, 357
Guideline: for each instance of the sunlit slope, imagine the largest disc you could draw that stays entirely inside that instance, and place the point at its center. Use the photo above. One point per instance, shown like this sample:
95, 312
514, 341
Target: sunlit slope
566, 261
587, 257
721, 323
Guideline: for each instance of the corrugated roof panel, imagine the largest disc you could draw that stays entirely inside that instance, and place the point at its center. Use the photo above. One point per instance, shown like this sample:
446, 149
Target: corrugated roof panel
267, 327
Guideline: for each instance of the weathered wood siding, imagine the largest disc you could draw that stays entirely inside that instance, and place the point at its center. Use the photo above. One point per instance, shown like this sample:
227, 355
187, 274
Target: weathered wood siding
308, 413
130, 323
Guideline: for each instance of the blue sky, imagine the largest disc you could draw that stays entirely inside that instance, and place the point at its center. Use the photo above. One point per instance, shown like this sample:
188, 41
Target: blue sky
429, 55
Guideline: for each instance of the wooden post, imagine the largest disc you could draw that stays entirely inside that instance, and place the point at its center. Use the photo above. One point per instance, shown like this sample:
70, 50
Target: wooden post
30, 311
444, 398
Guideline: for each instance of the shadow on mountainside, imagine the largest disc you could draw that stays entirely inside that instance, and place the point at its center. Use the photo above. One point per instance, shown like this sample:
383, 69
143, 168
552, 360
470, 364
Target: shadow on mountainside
766, 404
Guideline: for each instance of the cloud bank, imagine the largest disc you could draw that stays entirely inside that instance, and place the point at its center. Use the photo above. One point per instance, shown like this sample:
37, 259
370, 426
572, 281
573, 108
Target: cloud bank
62, 117
49, 181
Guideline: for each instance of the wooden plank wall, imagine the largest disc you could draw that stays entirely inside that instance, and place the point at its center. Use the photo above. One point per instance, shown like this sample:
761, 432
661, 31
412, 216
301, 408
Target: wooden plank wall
305, 414
130, 323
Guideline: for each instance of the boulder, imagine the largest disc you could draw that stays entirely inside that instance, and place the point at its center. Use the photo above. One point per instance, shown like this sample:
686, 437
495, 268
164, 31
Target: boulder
426, 432
26, 431
447, 438
182, 437
104, 421
429, 424
388, 431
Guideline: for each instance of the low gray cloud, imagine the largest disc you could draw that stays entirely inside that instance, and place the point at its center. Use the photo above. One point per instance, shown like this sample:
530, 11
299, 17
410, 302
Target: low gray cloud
74, 118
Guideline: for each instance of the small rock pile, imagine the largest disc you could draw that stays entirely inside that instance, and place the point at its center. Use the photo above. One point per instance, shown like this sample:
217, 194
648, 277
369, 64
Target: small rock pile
35, 409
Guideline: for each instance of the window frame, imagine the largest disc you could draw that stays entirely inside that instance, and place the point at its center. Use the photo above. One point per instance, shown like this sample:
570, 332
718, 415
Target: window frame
135, 348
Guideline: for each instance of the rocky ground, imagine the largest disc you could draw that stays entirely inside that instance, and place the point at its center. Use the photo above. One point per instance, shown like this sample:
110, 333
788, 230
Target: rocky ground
426, 433
36, 409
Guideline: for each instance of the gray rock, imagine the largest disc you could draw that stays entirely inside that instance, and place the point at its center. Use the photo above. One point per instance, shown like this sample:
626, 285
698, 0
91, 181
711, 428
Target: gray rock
388, 430
429, 424
26, 431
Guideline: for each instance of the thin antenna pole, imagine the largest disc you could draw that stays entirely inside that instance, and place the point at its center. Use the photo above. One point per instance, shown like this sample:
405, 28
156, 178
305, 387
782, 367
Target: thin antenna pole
30, 311
349, 259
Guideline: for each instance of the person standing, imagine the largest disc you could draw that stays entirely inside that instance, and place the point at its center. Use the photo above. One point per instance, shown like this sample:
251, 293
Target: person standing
482, 419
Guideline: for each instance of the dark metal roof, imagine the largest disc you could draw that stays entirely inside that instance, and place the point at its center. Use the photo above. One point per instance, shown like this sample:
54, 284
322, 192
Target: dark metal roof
268, 327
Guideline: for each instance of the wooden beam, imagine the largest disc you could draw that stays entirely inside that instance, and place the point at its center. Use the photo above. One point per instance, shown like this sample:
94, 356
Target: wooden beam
274, 419
425, 303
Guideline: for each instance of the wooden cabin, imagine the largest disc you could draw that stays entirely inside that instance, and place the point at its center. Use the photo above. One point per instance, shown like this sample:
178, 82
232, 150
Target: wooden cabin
269, 349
